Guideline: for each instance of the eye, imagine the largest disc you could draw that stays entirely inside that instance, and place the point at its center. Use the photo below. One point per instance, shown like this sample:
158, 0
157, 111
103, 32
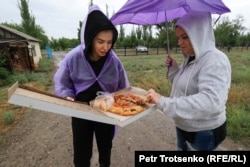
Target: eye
185, 37
100, 41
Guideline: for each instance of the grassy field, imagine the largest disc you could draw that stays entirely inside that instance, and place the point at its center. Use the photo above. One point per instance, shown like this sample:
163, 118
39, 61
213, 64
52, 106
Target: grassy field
148, 71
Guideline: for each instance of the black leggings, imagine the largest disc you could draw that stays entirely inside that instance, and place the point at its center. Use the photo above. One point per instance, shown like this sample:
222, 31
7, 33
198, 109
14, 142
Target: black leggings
83, 132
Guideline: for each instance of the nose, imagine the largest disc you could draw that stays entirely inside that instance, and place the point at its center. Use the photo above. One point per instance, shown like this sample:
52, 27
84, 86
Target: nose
105, 46
179, 42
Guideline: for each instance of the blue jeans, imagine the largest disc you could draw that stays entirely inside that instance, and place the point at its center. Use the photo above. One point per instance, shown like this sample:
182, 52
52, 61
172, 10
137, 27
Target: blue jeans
202, 141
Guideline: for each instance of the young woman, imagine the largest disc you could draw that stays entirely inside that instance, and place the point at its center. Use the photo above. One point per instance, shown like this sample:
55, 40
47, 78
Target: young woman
91, 67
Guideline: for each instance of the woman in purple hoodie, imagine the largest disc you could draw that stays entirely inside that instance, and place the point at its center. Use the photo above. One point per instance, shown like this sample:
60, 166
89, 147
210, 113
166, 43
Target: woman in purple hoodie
91, 67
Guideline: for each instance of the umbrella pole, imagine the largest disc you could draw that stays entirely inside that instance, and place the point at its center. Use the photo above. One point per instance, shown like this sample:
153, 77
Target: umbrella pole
168, 50
167, 38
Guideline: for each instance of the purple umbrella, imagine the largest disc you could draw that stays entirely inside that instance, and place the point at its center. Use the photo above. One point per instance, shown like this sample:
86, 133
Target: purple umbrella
151, 12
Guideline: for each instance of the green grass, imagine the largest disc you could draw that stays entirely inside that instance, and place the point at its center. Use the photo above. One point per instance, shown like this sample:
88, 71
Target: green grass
8, 117
148, 71
40, 75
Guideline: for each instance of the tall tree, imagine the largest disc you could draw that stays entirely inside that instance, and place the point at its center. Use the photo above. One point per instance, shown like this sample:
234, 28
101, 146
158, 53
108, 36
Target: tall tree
91, 3
121, 33
107, 10
133, 37
138, 32
145, 33
150, 34
79, 31
29, 23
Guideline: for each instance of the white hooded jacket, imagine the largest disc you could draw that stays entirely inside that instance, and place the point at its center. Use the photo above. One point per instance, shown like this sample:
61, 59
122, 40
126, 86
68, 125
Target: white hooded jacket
200, 88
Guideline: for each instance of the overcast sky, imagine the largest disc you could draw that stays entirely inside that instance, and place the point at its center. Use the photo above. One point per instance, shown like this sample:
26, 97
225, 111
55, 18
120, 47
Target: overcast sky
60, 18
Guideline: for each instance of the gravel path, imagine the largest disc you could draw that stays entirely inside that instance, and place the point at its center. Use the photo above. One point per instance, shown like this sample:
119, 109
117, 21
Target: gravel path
43, 139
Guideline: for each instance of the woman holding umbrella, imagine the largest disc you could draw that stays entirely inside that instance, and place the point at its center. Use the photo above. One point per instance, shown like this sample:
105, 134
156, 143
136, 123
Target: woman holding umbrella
200, 86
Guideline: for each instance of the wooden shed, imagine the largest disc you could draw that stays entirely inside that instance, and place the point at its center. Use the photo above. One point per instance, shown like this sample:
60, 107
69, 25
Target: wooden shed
22, 51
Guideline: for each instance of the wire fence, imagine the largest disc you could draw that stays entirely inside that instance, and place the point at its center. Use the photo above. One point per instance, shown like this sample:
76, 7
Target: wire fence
123, 51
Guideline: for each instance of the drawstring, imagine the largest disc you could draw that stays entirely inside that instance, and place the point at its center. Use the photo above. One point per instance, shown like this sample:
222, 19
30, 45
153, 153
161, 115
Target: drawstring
189, 78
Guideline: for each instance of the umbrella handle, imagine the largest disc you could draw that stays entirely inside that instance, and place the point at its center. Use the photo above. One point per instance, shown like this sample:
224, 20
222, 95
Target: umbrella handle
170, 64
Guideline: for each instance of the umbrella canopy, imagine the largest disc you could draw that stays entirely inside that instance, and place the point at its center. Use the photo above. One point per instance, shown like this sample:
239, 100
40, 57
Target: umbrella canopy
151, 12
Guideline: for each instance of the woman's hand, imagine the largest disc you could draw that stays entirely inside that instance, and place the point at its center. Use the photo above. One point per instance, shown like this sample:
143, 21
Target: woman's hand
153, 96
70, 98
169, 61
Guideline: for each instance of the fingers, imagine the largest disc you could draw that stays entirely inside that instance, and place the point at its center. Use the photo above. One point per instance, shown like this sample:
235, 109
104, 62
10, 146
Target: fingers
70, 98
153, 96
150, 95
168, 61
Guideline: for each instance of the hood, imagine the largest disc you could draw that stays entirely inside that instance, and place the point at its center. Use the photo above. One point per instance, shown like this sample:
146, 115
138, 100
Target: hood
95, 22
198, 26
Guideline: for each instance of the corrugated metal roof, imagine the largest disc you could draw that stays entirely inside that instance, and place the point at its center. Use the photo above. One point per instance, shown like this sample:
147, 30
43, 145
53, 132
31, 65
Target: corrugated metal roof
19, 33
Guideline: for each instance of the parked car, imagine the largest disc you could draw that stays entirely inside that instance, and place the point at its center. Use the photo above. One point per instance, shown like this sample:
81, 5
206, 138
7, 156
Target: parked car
141, 49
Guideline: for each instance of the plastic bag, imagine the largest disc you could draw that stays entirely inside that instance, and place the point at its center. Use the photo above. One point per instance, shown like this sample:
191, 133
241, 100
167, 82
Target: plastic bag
103, 101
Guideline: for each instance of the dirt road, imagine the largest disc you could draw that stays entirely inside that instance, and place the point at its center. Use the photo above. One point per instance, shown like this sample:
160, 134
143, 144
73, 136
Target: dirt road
45, 139
42, 139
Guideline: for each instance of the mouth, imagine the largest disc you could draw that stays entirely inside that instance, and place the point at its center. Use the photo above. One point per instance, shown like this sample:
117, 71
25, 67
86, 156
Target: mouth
103, 53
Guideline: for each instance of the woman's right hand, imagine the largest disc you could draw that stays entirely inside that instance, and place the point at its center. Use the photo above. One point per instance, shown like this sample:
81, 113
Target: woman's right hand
169, 61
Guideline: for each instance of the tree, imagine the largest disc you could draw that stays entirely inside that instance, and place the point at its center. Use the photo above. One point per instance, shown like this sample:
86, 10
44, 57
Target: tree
122, 33
54, 44
107, 10
90, 3
29, 25
227, 32
133, 37
138, 32
14, 26
64, 43
79, 31
144, 32
166, 34
150, 36
28, 22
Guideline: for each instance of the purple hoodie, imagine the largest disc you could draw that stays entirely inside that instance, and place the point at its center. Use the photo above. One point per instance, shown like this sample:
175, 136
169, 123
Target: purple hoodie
76, 75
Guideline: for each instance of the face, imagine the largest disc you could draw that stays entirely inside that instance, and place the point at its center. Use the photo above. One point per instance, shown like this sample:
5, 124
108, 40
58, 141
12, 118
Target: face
184, 42
102, 43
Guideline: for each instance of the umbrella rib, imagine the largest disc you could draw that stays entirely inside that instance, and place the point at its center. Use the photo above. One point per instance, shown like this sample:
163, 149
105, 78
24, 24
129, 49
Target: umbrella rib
216, 20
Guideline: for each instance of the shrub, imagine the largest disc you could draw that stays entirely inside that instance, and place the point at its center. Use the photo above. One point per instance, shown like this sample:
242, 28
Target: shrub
4, 73
3, 58
8, 117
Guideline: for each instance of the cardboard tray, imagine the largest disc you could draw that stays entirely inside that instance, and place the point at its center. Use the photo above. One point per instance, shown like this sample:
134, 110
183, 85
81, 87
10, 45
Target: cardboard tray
33, 98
